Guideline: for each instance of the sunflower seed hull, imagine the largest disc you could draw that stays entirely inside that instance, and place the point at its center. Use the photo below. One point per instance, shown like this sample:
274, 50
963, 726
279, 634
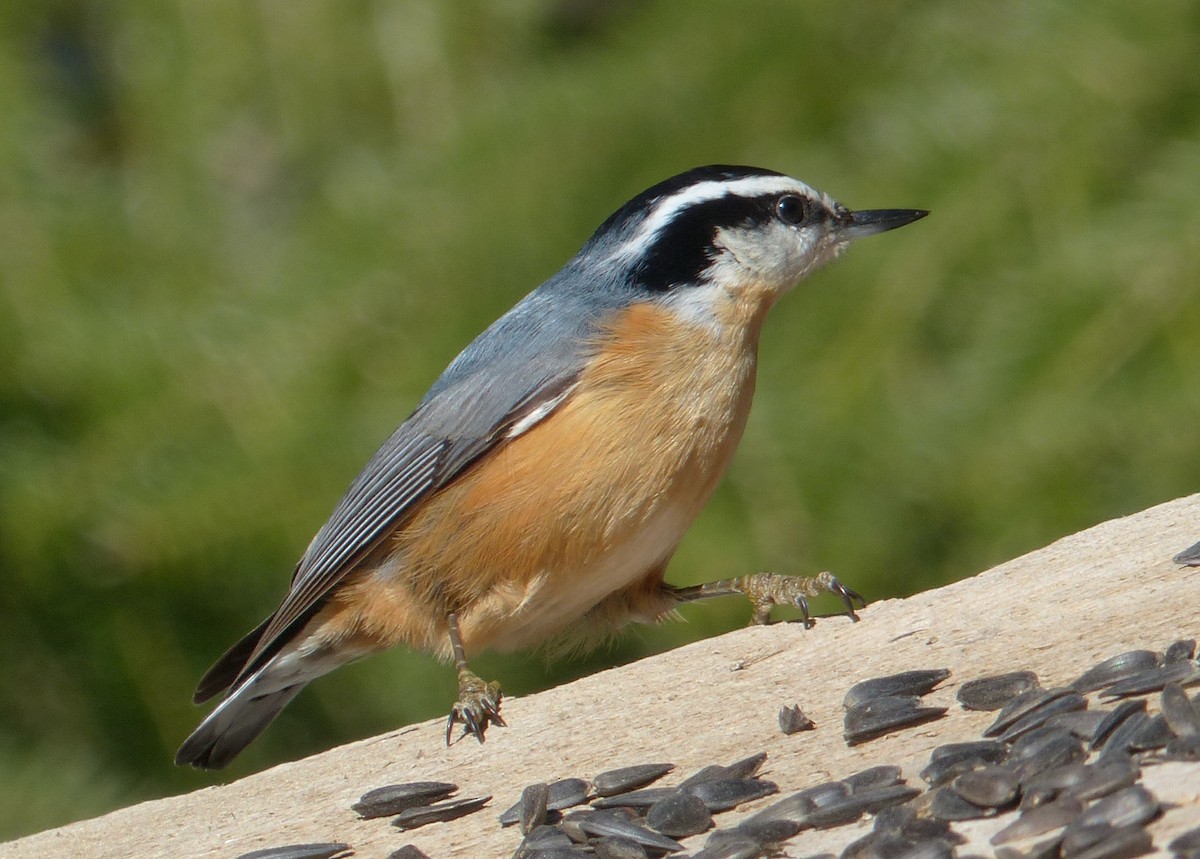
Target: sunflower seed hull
1180, 651
566, 793
1133, 805
545, 837
452, 809
1189, 557
989, 751
880, 776
1021, 706
394, 798
534, 805
1039, 715
625, 779
1115, 669
724, 794
1081, 723
768, 831
679, 815
1186, 842
946, 804
1050, 751
990, 787
1155, 734
643, 798
1120, 742
992, 693
855, 806
1179, 711
1122, 843
878, 716
601, 823
408, 851
1040, 820
1153, 680
1114, 719
1183, 749
744, 768
1047, 848
730, 844
792, 720
322, 850
1105, 777
915, 683
615, 847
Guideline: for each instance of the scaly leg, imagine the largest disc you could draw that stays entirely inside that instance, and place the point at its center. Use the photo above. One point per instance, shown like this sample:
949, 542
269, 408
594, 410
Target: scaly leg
478, 702
766, 590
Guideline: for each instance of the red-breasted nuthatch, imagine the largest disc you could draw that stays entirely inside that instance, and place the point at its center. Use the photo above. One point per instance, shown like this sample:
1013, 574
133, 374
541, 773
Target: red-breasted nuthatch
543, 483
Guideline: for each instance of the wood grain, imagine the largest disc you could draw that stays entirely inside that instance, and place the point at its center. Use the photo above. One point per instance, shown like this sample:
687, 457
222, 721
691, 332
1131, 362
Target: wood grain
1055, 611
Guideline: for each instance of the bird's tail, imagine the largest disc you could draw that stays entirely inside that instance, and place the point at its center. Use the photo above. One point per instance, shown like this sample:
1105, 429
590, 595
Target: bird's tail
250, 706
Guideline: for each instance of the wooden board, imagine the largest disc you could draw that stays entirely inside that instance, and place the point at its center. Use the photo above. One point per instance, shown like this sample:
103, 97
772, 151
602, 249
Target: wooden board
1056, 611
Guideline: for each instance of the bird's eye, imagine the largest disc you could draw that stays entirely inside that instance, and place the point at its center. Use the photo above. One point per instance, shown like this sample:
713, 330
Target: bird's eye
791, 209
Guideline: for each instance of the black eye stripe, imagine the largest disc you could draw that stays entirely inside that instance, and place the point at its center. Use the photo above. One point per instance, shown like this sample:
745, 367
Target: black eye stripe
682, 250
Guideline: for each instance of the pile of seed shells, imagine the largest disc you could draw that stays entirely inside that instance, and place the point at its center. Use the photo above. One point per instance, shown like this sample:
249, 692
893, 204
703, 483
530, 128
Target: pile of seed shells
626, 816
1071, 771
1064, 763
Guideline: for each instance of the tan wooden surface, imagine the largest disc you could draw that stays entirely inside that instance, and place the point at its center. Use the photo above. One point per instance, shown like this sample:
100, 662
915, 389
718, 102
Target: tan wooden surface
1055, 611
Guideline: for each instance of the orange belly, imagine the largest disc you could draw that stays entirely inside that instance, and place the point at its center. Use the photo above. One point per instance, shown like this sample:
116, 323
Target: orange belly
571, 523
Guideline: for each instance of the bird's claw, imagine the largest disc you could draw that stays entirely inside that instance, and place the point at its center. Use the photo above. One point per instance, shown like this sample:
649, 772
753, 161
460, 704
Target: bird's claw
478, 705
767, 590
847, 596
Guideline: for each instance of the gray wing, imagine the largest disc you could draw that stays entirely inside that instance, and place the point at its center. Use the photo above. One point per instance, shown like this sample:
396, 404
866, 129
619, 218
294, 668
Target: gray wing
524, 365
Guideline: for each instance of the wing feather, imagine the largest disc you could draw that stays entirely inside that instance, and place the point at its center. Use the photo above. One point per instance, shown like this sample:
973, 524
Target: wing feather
517, 373
409, 466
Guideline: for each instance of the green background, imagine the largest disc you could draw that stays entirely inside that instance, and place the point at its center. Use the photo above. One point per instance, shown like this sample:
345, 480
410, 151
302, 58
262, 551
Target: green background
239, 239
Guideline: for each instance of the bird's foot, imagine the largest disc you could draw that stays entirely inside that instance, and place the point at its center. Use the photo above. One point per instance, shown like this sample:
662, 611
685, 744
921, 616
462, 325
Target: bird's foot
767, 590
478, 705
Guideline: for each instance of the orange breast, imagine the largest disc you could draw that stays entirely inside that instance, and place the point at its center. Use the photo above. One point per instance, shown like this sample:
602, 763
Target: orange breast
587, 503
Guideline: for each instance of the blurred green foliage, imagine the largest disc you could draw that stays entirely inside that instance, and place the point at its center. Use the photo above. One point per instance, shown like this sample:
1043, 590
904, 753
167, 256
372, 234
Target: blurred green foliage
239, 239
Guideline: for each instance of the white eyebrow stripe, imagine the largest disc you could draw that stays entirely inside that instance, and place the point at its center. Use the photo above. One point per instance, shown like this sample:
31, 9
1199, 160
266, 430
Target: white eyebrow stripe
667, 208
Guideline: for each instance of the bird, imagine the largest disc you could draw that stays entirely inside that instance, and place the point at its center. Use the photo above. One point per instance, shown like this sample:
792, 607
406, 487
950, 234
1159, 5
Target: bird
542, 484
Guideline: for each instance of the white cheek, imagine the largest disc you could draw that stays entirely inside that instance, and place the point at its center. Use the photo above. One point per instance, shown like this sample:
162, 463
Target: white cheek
779, 256
769, 263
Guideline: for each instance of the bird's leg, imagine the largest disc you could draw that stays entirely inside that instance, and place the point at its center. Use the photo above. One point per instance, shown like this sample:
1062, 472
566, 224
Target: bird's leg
478, 702
766, 590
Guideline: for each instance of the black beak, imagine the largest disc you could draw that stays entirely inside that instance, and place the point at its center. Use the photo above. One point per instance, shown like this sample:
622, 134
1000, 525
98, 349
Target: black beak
871, 221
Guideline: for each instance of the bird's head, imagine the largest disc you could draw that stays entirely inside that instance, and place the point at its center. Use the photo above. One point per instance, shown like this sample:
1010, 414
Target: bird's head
724, 240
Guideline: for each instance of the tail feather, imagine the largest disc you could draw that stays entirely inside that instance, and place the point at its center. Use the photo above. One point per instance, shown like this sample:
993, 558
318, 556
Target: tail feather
231, 727
226, 669
251, 705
